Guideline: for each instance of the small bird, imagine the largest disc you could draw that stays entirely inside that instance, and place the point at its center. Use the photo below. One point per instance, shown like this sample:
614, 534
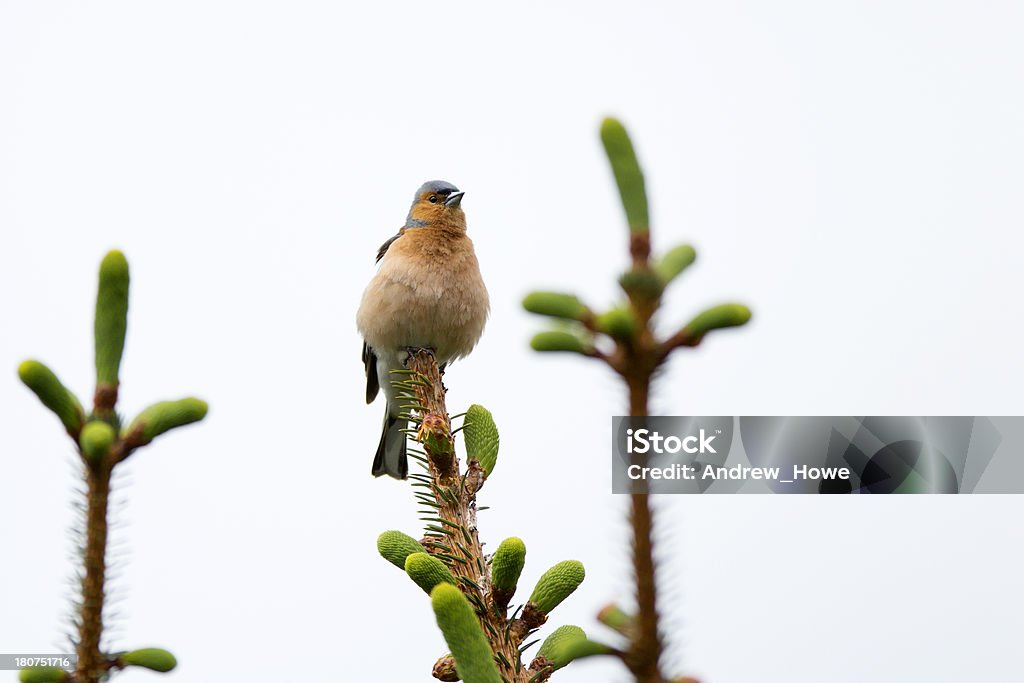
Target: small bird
427, 293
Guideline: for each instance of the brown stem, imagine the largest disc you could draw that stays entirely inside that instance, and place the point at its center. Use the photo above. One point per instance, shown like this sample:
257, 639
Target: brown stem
456, 496
91, 663
640, 248
681, 338
639, 385
645, 647
104, 401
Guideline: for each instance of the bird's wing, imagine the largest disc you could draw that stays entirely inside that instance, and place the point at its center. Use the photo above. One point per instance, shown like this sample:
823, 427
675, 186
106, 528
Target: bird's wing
384, 247
369, 357
372, 383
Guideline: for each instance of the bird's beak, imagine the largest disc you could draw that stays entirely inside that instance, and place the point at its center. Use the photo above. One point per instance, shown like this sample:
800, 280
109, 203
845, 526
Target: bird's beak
454, 199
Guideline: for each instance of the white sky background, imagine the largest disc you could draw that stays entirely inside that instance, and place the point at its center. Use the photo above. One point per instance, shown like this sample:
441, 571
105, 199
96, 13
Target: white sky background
851, 170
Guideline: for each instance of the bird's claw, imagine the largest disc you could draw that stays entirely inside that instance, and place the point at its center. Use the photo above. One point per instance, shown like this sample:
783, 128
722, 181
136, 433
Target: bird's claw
410, 350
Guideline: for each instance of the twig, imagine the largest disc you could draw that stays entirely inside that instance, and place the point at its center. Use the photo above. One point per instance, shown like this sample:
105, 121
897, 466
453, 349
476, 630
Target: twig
91, 661
455, 497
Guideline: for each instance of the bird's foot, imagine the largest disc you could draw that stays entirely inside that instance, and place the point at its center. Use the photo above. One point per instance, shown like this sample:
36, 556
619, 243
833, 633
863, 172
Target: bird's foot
410, 350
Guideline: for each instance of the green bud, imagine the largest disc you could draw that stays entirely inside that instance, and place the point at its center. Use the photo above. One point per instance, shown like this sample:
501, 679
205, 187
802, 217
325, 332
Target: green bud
559, 341
674, 262
436, 436
481, 437
54, 395
165, 416
617, 323
615, 617
111, 317
569, 649
96, 439
458, 622
507, 563
427, 571
556, 305
641, 284
724, 315
551, 648
395, 547
150, 658
628, 176
43, 674
557, 584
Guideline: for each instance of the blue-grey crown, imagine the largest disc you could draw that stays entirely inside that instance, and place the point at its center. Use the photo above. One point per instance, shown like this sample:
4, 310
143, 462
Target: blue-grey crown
434, 186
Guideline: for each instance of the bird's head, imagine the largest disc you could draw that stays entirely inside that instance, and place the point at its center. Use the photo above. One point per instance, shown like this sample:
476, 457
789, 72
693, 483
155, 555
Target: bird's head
436, 203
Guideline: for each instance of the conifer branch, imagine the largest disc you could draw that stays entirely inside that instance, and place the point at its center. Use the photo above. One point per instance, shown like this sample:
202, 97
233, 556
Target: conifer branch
636, 355
102, 444
455, 495
470, 592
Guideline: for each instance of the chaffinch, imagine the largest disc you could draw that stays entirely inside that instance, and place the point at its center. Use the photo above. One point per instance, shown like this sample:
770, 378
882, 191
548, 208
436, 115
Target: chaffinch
427, 293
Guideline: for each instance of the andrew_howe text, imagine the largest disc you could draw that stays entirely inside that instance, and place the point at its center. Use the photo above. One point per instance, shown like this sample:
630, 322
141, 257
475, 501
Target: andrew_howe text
736, 472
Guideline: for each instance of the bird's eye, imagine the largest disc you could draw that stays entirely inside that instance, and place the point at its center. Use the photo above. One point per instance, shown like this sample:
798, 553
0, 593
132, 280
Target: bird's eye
433, 199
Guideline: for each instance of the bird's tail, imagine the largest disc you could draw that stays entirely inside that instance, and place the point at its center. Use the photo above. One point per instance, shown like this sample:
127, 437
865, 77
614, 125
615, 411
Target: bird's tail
391, 458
